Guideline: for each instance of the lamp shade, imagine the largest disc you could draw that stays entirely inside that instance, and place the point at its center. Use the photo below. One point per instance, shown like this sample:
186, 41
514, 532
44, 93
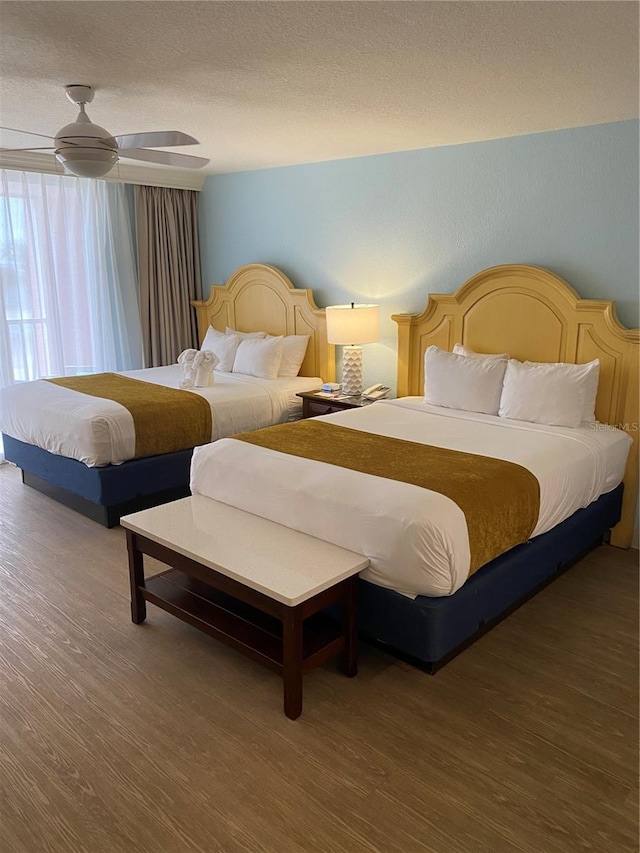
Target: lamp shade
353, 324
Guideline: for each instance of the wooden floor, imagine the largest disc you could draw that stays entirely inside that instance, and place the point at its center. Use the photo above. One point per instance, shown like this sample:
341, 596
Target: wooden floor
117, 737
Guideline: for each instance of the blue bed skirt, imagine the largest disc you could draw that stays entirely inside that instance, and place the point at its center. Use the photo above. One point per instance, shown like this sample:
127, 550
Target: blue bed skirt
103, 493
431, 630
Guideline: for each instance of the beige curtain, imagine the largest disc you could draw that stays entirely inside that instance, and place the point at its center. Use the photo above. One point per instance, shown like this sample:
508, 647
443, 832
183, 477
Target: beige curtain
168, 270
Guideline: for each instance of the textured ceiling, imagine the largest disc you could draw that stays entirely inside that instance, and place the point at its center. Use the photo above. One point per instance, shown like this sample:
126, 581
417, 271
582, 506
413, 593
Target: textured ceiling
266, 84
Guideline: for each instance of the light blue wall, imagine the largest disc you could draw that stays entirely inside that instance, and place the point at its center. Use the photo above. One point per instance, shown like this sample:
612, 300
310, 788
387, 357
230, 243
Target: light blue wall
391, 228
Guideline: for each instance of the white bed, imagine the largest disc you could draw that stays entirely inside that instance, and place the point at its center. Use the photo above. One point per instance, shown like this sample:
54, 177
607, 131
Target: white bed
81, 456
97, 431
416, 539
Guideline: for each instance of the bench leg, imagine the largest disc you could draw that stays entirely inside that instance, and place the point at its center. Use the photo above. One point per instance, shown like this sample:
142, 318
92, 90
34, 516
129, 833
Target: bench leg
292, 661
136, 577
349, 628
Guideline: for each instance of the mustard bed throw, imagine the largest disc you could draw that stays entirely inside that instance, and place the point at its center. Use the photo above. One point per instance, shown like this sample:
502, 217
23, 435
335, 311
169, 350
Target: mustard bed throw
165, 419
500, 500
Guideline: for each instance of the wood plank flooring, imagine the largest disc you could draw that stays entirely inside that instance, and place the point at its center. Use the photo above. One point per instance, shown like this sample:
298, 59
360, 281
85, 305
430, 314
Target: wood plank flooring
117, 738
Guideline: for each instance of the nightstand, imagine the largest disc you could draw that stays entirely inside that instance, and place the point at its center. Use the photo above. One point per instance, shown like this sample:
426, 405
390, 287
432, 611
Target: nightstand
314, 404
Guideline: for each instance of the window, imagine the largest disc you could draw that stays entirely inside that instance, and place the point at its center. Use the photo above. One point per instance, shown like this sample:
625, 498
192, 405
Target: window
68, 280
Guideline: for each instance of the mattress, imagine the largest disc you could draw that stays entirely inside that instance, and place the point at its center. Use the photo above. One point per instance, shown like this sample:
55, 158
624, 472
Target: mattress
416, 540
97, 431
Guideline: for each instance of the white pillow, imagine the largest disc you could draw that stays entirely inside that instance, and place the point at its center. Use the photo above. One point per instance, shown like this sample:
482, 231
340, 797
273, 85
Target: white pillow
459, 382
259, 357
590, 386
554, 394
229, 331
294, 348
224, 346
459, 349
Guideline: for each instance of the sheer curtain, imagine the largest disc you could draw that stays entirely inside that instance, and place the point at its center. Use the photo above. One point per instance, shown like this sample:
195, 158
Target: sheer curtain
68, 280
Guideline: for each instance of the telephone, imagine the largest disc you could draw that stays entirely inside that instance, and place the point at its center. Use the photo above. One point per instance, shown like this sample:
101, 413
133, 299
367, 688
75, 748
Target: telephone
376, 392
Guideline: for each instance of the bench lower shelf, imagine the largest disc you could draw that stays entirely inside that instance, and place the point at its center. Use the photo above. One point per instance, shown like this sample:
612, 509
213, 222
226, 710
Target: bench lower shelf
238, 624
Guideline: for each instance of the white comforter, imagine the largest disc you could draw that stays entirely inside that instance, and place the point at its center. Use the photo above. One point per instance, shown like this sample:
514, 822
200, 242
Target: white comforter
99, 432
416, 539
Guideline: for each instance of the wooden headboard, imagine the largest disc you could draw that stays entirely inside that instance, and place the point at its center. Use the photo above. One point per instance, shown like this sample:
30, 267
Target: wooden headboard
260, 298
534, 315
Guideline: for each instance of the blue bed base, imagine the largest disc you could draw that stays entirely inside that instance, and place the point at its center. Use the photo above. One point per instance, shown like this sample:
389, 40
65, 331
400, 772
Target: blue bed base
430, 631
105, 493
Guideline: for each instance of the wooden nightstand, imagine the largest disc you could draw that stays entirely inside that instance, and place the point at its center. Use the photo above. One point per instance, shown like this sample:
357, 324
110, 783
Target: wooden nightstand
314, 404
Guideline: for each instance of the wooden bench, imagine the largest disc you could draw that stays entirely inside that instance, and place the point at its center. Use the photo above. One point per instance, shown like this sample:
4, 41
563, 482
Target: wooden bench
255, 585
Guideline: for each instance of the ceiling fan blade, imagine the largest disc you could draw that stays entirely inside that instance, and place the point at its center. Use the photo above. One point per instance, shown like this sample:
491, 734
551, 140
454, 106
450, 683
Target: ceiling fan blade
26, 132
158, 139
9, 150
167, 158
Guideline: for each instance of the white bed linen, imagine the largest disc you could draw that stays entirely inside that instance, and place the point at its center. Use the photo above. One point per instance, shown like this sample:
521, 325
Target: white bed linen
416, 539
99, 432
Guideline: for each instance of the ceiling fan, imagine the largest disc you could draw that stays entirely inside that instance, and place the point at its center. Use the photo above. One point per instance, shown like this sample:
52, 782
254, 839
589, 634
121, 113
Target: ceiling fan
89, 151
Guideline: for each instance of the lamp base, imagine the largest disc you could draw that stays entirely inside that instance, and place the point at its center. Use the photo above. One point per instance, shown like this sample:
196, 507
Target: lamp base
352, 371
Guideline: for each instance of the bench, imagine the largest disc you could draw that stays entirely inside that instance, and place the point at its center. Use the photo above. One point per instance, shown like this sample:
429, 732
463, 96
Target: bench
255, 585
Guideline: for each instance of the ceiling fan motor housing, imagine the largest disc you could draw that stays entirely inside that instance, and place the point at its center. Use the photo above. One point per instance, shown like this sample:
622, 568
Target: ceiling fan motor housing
84, 148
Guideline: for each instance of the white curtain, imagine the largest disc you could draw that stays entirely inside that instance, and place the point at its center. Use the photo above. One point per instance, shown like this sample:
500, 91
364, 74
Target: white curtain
68, 280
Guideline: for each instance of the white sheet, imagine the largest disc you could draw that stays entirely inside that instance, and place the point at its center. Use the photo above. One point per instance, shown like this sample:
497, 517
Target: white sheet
98, 431
416, 539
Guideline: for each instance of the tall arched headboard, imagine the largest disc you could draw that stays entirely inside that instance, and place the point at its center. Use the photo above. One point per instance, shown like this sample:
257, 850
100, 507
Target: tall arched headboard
260, 298
534, 315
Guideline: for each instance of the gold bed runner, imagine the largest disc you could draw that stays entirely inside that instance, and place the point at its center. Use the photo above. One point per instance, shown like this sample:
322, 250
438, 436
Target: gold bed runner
165, 419
500, 500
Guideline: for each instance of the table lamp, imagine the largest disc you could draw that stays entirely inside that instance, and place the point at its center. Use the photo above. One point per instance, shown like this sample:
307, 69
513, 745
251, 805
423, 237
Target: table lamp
352, 325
